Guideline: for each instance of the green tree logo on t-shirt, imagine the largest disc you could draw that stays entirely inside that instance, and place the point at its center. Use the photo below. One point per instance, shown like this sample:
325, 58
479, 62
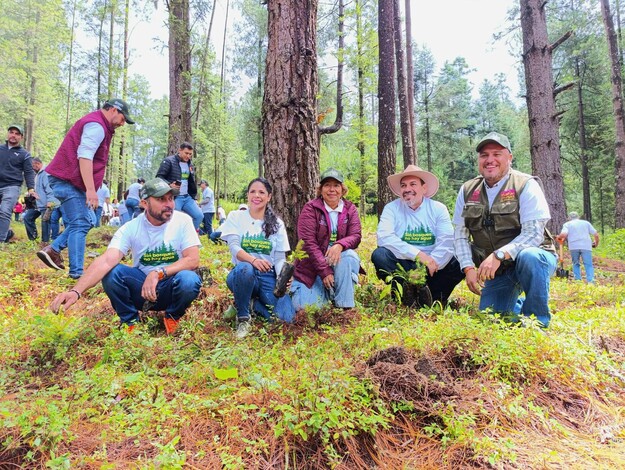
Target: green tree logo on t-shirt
256, 244
164, 254
421, 236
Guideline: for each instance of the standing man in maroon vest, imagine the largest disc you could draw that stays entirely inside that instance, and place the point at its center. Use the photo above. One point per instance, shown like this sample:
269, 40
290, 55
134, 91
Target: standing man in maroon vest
76, 172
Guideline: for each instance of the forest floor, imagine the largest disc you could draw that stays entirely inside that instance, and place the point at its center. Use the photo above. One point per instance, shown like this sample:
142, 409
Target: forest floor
378, 386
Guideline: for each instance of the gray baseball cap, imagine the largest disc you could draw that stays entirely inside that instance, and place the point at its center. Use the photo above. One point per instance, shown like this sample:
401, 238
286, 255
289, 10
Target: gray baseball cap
18, 128
332, 173
157, 187
495, 137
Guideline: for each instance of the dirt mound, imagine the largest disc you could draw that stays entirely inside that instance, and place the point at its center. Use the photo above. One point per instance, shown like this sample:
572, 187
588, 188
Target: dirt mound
402, 377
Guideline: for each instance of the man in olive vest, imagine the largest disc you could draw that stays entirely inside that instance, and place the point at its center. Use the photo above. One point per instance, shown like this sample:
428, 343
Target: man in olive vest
500, 237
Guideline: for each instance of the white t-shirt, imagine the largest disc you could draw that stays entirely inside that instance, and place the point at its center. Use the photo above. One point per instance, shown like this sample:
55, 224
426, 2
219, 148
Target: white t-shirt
155, 246
208, 201
405, 231
133, 191
578, 233
242, 228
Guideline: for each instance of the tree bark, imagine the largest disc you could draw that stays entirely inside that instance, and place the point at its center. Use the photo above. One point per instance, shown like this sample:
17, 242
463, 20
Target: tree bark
290, 134
70, 68
402, 93
338, 120
583, 147
410, 81
386, 102
619, 117
179, 75
541, 106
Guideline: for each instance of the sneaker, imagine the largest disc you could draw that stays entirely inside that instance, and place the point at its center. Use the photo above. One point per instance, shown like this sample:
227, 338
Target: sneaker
243, 329
51, 258
230, 313
130, 328
171, 325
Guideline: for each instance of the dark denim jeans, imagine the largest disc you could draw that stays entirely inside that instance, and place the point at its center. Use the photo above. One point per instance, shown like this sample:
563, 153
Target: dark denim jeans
174, 295
247, 283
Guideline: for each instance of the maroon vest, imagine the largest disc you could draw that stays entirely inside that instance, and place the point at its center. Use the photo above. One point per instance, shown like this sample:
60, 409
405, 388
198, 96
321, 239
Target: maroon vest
65, 166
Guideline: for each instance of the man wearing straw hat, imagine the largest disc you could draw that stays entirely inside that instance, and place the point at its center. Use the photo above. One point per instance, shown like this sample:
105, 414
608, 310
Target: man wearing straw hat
416, 228
501, 239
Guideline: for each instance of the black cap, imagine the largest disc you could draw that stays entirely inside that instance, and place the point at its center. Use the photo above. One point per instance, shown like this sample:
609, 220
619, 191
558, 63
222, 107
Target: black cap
122, 107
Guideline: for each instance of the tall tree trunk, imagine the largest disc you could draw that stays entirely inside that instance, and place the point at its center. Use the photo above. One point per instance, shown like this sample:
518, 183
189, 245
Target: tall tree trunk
410, 80
201, 91
179, 75
70, 66
386, 102
222, 92
122, 176
338, 120
259, 95
361, 110
110, 75
402, 94
100, 99
583, 147
30, 121
290, 134
619, 117
541, 106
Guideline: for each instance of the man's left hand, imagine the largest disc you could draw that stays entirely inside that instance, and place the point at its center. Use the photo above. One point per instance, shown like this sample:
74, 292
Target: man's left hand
488, 268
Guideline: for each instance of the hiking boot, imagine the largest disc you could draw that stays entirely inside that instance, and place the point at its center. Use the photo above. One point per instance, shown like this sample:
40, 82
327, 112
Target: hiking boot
243, 329
51, 258
230, 313
10, 234
171, 325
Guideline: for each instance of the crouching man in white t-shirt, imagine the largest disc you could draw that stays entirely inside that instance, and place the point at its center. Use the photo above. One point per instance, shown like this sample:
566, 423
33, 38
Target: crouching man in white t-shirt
165, 253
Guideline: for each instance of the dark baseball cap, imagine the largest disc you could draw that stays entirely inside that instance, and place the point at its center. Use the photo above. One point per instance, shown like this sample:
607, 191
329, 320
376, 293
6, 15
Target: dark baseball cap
122, 107
495, 137
157, 187
15, 126
332, 173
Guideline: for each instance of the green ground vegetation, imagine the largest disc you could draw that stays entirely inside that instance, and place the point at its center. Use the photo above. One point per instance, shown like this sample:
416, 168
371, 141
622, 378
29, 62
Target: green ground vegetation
378, 386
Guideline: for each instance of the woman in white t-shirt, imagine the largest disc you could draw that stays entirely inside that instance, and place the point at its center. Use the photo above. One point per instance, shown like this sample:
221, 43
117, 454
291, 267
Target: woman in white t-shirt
258, 243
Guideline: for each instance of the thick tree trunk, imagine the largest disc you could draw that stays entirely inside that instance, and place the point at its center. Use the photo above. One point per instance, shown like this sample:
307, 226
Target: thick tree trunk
583, 147
179, 75
70, 66
362, 210
386, 102
619, 117
290, 134
402, 92
541, 106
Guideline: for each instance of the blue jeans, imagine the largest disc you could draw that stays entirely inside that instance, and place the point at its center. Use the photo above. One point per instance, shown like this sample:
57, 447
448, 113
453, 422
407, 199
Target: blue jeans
30, 222
98, 215
586, 256
208, 222
188, 205
248, 283
78, 220
54, 223
8, 198
441, 285
531, 274
345, 278
134, 210
174, 295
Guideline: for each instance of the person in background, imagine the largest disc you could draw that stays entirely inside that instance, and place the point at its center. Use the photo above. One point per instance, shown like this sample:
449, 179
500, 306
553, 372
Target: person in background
75, 172
582, 238
258, 244
124, 215
207, 204
18, 209
165, 252
15, 167
133, 198
116, 220
45, 203
107, 211
414, 228
179, 172
104, 196
221, 215
500, 239
330, 228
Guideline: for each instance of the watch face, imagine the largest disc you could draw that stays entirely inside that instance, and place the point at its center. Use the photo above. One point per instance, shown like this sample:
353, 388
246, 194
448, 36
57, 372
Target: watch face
500, 255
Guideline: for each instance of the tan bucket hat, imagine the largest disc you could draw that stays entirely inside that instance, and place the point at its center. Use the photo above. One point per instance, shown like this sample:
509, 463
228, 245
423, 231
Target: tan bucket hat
431, 181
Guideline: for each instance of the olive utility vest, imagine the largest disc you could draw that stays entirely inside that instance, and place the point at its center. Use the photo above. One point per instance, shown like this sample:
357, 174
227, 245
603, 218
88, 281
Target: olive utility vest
493, 228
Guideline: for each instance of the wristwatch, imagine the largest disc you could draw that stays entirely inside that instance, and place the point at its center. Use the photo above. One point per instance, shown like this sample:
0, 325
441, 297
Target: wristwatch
162, 274
500, 255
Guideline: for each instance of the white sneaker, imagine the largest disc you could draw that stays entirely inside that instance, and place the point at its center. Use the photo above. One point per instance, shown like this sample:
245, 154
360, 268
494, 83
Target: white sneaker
243, 329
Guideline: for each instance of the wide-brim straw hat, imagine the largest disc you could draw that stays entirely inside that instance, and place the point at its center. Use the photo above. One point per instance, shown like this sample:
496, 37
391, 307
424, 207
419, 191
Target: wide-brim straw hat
430, 180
